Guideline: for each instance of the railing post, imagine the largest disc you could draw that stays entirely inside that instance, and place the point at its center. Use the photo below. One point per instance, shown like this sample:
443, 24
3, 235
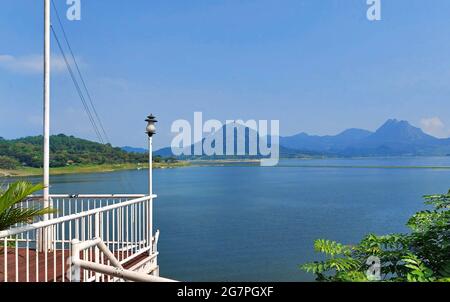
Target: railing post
75, 270
97, 226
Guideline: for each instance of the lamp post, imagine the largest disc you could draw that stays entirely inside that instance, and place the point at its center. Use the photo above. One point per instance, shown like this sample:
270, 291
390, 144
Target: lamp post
150, 130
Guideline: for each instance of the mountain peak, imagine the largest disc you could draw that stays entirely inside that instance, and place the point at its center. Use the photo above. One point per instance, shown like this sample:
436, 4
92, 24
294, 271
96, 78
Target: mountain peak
397, 130
392, 122
396, 124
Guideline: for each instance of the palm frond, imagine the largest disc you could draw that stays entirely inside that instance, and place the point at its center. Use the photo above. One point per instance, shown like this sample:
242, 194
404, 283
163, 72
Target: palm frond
10, 213
16, 193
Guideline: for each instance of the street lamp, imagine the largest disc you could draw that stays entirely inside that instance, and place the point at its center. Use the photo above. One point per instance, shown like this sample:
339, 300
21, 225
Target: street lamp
150, 130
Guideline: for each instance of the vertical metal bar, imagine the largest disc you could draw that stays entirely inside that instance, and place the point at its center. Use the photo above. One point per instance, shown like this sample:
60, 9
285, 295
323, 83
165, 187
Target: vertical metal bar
97, 227
132, 225
5, 260
108, 235
55, 229
143, 224
70, 251
17, 259
122, 232
126, 230
63, 237
113, 230
45, 261
27, 257
36, 234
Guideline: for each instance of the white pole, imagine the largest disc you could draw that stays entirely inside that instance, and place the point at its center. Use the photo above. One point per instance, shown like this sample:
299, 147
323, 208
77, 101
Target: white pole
150, 167
46, 104
44, 243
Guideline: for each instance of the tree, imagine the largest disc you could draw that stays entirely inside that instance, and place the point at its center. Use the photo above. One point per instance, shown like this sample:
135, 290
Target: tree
16, 193
423, 255
8, 163
64, 149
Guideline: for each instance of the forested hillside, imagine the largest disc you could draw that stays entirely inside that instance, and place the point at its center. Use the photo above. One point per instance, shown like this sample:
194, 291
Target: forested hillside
64, 151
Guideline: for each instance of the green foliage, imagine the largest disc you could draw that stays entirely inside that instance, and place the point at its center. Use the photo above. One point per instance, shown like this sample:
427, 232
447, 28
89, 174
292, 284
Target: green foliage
423, 255
331, 248
10, 214
418, 271
65, 150
8, 163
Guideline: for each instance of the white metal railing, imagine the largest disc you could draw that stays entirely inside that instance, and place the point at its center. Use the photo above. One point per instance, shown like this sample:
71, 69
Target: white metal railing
120, 220
115, 270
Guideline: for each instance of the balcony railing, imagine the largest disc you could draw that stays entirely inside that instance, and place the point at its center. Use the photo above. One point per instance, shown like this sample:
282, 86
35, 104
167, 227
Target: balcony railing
123, 222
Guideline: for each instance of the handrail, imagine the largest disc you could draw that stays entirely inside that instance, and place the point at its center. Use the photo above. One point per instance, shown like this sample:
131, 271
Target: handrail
43, 224
89, 196
117, 270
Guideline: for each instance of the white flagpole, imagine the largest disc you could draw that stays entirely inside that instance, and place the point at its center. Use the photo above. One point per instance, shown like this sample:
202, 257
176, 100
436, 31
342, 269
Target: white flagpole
45, 235
46, 104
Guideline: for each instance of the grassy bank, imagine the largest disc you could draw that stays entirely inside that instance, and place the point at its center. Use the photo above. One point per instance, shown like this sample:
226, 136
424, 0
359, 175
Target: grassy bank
79, 169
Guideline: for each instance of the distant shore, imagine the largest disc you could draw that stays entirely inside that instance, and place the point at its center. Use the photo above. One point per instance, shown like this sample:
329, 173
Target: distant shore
86, 169
81, 169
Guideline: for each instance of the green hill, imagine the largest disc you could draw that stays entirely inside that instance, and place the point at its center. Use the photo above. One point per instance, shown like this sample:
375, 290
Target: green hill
64, 151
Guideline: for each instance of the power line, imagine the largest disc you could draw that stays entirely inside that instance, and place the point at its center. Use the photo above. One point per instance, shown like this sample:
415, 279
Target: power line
80, 74
77, 87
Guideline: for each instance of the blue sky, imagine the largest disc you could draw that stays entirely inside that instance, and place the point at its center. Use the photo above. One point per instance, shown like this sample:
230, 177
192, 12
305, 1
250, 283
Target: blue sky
318, 66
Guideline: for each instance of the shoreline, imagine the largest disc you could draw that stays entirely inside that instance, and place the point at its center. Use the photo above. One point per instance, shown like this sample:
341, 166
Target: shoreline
88, 169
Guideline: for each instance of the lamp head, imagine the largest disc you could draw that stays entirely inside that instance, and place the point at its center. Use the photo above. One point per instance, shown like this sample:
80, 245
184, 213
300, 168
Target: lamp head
151, 127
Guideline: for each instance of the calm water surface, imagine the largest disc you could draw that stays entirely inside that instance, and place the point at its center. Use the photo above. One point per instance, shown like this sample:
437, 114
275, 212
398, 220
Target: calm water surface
247, 223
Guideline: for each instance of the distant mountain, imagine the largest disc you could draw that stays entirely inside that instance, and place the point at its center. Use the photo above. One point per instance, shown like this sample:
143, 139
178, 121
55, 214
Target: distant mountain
133, 149
239, 140
393, 138
326, 143
226, 136
164, 152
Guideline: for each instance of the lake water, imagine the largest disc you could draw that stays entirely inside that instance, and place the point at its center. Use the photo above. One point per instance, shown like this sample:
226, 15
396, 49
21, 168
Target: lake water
248, 223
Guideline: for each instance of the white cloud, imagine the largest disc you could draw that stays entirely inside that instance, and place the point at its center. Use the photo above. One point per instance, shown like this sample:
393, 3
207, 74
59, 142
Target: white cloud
434, 126
32, 64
